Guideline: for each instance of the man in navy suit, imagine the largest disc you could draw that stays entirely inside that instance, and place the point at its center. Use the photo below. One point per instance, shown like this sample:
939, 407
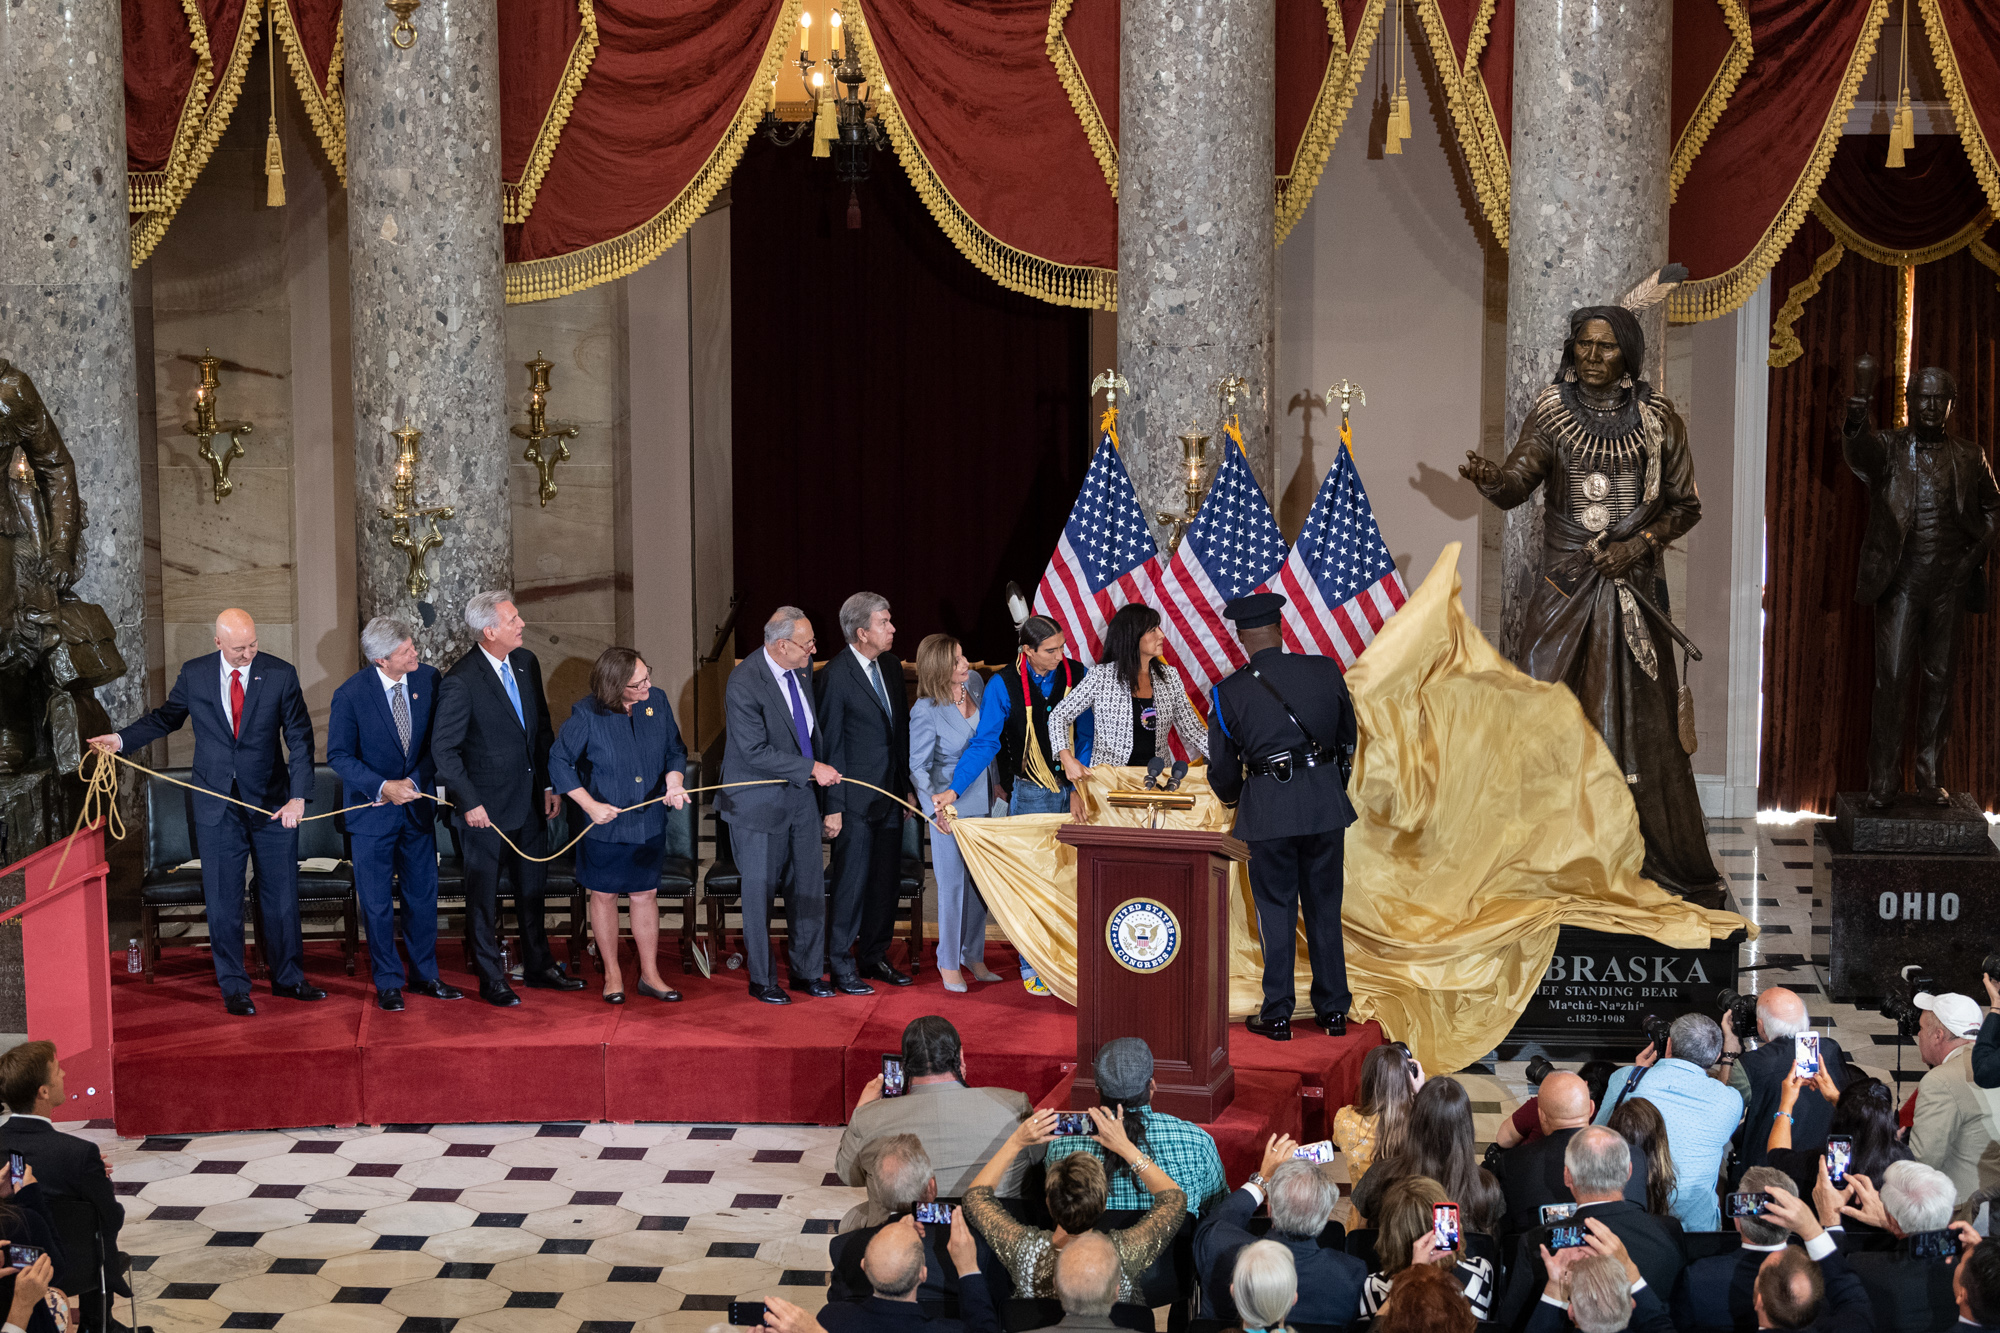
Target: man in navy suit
864, 717
490, 742
379, 741
775, 828
243, 704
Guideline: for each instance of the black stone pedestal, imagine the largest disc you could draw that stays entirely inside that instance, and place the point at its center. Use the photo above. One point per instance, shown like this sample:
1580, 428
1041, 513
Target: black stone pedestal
1599, 987
1892, 908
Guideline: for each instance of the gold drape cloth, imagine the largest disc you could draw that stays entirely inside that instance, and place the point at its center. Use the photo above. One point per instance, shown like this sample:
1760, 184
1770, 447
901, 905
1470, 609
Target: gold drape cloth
1491, 815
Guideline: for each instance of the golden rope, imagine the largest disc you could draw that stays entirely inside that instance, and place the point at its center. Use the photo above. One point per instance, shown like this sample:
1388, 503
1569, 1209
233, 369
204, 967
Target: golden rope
100, 796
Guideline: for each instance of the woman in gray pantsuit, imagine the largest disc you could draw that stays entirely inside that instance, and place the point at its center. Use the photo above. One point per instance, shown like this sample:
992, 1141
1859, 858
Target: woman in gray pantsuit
941, 725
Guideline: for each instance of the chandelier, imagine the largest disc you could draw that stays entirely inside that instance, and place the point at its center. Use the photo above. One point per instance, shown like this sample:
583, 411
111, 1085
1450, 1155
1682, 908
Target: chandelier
828, 101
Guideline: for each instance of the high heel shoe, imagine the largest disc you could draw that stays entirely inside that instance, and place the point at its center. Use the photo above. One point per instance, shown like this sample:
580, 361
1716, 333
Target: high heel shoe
954, 980
669, 995
983, 973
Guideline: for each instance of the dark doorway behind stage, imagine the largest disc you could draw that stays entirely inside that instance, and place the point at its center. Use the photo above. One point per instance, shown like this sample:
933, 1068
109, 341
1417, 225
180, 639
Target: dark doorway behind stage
902, 423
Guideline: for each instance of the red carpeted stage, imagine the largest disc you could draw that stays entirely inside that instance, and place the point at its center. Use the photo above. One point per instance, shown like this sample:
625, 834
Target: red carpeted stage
182, 1065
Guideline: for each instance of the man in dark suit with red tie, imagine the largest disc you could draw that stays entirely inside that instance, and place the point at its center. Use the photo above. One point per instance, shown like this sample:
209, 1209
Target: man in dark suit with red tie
490, 742
379, 741
243, 704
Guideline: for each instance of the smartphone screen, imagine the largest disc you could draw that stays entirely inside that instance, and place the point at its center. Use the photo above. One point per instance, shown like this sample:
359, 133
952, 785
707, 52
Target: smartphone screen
746, 1314
17, 1167
1934, 1245
1321, 1152
1839, 1155
1805, 1054
20, 1256
928, 1213
1557, 1212
1444, 1225
1747, 1204
892, 1075
1566, 1237
1074, 1124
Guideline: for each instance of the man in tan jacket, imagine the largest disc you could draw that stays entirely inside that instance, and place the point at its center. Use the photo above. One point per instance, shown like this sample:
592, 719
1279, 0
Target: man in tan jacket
1956, 1128
961, 1126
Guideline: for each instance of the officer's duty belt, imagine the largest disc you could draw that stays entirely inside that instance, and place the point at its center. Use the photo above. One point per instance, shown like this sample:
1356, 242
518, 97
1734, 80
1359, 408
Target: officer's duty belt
1281, 766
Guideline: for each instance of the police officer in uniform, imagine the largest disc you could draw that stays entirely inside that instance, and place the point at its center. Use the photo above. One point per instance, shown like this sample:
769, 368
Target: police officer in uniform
1280, 737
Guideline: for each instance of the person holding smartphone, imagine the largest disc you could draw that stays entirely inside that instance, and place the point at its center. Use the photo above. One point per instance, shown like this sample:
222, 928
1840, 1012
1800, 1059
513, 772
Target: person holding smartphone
1781, 1021
1409, 1235
1301, 1198
1864, 1120
895, 1266
1075, 1198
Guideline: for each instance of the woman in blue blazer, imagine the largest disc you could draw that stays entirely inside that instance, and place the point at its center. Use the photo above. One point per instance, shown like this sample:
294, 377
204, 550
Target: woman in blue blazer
942, 724
622, 746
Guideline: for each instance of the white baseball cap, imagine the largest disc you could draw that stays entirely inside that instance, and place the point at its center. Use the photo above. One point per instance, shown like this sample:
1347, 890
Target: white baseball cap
1959, 1013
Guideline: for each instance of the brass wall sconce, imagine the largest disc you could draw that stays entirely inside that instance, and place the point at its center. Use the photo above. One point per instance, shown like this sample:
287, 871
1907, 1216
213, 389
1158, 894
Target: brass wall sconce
205, 427
404, 514
404, 34
539, 432
1194, 454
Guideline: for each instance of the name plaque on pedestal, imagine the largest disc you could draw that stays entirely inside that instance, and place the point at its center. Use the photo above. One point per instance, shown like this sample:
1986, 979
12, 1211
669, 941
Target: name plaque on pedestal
1598, 988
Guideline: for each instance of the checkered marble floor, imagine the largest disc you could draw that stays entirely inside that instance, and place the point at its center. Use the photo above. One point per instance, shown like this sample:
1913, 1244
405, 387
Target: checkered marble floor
649, 1228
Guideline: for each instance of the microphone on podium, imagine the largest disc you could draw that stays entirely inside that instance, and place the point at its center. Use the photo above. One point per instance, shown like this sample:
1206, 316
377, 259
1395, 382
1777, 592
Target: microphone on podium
1153, 770
1180, 771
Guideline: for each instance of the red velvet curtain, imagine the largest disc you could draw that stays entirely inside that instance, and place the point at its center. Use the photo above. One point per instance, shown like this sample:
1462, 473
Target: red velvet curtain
1818, 649
1932, 197
541, 62
1965, 41
918, 431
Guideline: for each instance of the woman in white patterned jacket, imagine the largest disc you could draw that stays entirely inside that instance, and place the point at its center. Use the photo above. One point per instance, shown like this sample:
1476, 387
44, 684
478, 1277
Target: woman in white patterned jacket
1135, 699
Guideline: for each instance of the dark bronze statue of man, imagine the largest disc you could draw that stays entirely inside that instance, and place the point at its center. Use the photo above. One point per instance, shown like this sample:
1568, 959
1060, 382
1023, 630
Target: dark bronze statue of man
1612, 457
1933, 511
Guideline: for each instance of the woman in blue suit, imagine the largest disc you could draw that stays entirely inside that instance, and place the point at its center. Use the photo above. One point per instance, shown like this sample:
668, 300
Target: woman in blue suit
942, 723
622, 746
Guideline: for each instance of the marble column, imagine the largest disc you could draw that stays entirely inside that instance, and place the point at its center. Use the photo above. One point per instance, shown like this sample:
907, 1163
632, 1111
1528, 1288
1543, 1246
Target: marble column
1196, 261
1588, 205
66, 288
427, 298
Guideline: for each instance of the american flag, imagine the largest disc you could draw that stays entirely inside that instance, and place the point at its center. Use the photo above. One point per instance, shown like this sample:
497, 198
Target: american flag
1104, 558
1339, 582
1230, 549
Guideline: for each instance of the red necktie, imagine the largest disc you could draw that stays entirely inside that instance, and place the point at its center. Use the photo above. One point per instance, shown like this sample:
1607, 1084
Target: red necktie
236, 702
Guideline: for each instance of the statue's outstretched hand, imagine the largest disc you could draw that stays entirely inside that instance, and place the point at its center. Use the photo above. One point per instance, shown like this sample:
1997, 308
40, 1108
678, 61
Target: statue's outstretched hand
1480, 471
1865, 372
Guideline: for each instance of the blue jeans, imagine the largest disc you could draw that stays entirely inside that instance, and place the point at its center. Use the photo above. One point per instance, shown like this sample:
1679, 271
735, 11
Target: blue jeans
1031, 798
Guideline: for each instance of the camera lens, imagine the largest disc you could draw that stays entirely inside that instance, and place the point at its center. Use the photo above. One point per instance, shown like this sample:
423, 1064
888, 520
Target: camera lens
1539, 1068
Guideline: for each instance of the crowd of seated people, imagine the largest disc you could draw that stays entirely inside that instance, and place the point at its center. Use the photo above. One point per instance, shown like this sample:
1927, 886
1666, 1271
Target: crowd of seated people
1620, 1198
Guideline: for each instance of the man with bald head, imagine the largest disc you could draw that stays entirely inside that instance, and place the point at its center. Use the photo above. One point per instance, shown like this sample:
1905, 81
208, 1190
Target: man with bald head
1531, 1174
894, 1264
1760, 1077
253, 740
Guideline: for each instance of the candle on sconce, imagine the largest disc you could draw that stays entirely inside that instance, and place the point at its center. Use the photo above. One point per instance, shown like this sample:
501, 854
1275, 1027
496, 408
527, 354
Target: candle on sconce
835, 49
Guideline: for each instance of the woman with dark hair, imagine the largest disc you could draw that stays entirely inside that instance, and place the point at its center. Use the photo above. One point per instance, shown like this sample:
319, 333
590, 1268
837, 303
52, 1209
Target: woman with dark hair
1136, 698
1611, 456
1015, 744
1638, 1121
1438, 1143
1075, 1195
1373, 1127
621, 747
1864, 1111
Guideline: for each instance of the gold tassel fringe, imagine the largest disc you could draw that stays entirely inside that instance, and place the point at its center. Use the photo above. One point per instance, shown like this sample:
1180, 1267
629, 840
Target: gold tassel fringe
607, 261
1338, 87
1711, 298
1478, 129
324, 106
199, 131
274, 169
517, 198
1080, 99
1016, 270
1988, 256
1967, 235
1715, 100
1785, 345
1971, 134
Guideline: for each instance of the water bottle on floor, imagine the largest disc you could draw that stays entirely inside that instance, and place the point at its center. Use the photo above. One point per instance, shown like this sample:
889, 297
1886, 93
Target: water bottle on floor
132, 961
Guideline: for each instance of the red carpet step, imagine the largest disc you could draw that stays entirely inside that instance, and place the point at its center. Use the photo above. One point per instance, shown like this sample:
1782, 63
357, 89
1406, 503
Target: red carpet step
182, 1065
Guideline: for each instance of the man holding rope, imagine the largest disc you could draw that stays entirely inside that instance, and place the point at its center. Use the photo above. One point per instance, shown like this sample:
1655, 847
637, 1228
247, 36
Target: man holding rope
243, 704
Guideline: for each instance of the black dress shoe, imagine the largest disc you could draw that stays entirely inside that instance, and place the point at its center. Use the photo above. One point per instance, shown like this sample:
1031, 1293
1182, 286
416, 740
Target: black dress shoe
852, 986
768, 994
1277, 1029
500, 996
239, 1005
816, 988
670, 995
390, 1000
614, 997
883, 972
552, 979
1333, 1025
305, 990
437, 990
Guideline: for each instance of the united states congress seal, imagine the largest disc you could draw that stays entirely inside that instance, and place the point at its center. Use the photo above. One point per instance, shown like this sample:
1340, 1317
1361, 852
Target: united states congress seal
1143, 935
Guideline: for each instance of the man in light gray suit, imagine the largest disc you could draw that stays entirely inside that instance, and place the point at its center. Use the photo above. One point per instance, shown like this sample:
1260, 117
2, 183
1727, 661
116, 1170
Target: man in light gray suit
773, 829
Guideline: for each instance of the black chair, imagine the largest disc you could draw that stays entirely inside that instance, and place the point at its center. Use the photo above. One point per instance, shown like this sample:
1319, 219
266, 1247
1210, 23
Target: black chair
1708, 1244
1361, 1244
910, 890
323, 895
451, 881
722, 893
169, 845
561, 882
93, 1271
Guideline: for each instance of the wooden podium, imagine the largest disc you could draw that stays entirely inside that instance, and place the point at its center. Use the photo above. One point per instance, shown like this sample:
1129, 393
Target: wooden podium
1171, 986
